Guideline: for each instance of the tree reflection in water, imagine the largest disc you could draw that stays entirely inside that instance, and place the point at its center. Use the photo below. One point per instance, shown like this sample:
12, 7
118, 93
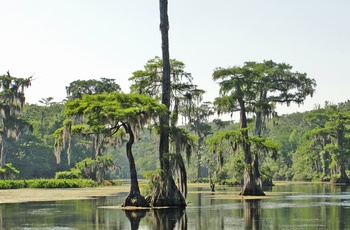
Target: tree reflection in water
135, 217
252, 214
165, 218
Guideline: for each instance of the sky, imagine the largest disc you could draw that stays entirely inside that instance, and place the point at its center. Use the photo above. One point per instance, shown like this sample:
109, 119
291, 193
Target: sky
58, 42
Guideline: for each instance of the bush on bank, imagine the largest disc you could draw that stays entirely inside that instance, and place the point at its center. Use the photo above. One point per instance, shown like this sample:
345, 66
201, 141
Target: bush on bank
47, 183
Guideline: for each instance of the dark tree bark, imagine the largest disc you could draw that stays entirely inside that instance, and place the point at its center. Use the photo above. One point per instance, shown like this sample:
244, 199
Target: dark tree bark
164, 120
251, 179
134, 198
165, 193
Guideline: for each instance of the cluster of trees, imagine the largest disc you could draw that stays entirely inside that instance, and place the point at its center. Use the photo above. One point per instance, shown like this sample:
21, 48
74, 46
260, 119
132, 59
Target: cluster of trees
96, 119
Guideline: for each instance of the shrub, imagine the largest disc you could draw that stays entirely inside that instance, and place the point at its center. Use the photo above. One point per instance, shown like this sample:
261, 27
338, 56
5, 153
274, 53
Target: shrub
200, 180
12, 184
229, 182
47, 183
72, 174
222, 175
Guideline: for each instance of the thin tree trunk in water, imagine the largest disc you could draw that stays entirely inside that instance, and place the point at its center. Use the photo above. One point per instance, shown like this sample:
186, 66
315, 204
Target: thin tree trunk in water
134, 198
198, 157
165, 192
211, 183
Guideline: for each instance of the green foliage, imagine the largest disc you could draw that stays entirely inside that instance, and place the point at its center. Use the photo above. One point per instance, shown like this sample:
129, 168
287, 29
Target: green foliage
103, 115
8, 172
154, 178
47, 183
88, 169
222, 175
200, 180
77, 89
61, 183
12, 184
74, 173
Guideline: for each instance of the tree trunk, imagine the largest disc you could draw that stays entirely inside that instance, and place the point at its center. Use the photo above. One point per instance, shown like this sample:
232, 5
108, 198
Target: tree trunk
343, 177
198, 156
256, 172
164, 119
251, 179
2, 159
211, 183
342, 167
94, 146
180, 172
2, 156
134, 198
165, 193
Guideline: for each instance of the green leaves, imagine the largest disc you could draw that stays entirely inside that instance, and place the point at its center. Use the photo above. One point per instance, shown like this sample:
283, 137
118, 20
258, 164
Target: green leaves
8, 172
261, 85
77, 89
104, 114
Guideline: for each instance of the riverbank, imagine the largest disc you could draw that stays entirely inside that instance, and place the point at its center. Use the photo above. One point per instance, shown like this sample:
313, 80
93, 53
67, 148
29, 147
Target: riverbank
33, 195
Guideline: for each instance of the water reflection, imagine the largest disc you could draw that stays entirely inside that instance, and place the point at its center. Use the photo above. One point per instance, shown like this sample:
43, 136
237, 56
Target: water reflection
135, 217
167, 218
252, 211
303, 206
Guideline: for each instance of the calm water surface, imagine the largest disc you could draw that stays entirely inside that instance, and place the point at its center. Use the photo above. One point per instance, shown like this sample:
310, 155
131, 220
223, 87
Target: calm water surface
301, 206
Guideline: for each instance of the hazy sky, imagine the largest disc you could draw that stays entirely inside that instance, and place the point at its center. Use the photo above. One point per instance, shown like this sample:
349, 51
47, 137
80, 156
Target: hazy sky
59, 41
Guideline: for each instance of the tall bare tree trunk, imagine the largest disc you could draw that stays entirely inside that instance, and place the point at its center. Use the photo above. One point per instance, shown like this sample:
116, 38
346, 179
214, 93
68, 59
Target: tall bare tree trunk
165, 193
164, 119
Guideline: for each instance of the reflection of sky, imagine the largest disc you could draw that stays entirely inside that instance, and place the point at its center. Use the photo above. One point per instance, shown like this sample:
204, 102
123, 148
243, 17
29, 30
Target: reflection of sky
302, 201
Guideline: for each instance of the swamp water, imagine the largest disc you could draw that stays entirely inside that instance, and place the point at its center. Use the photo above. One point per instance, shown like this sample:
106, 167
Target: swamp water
291, 206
